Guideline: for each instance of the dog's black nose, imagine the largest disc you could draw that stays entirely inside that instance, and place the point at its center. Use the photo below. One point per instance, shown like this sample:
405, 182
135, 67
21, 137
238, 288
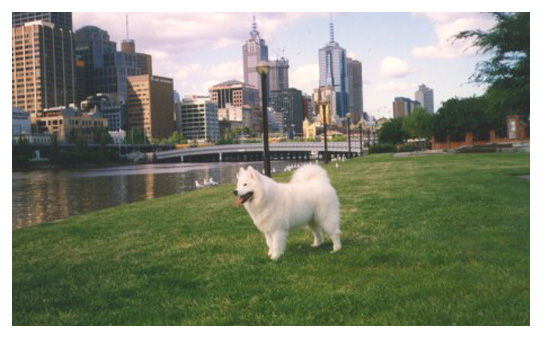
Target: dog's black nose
235, 192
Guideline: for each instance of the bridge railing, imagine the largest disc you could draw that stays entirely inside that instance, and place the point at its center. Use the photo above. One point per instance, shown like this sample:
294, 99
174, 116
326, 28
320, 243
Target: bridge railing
256, 147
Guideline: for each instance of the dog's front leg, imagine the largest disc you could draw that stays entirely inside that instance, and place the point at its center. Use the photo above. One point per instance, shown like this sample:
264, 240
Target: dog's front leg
269, 242
278, 243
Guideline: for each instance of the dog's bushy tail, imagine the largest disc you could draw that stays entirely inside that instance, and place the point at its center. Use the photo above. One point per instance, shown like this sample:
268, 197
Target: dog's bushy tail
308, 173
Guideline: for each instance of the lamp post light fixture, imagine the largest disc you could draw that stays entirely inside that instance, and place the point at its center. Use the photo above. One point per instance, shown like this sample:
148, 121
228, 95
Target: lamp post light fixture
263, 69
348, 117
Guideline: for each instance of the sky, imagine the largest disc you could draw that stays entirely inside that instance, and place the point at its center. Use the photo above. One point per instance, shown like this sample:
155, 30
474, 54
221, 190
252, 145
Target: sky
398, 51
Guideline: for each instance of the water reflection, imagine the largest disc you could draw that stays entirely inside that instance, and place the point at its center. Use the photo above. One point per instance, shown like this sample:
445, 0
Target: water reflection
48, 196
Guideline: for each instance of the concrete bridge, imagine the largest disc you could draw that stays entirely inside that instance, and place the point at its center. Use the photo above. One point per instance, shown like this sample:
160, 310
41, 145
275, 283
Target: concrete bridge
254, 152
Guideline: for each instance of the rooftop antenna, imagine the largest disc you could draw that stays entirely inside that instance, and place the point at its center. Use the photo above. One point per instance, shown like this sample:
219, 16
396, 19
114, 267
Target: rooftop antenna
254, 34
331, 32
127, 32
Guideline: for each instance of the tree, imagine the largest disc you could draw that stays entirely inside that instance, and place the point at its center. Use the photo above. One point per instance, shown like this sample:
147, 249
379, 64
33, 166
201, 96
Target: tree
176, 138
419, 124
392, 132
135, 136
457, 116
508, 71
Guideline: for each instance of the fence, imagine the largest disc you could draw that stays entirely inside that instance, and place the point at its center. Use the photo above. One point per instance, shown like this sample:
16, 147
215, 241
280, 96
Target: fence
513, 136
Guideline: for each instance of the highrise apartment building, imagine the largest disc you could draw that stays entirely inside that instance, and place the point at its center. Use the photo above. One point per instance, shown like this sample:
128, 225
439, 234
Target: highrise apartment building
61, 20
254, 51
150, 105
333, 72
278, 74
355, 88
199, 119
425, 97
43, 69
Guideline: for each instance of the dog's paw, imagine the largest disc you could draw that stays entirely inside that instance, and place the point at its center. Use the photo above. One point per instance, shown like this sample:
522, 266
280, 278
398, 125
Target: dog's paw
275, 256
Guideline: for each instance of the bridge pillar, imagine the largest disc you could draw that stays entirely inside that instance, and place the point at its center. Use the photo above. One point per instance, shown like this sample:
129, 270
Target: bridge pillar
219, 157
182, 158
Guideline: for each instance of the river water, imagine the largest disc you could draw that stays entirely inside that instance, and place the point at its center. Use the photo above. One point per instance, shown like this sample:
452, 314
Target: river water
51, 195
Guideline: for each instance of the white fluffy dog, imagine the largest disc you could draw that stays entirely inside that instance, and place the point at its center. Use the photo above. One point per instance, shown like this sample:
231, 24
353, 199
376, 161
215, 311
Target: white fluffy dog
308, 199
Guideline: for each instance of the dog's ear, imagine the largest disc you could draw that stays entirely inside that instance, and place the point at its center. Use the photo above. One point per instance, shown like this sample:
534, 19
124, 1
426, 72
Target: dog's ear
241, 171
253, 173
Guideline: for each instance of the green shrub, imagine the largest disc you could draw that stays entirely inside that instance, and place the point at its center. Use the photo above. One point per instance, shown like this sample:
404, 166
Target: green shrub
382, 148
405, 148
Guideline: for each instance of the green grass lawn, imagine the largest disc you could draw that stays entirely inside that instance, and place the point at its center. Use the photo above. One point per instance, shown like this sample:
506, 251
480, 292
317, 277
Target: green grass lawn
441, 240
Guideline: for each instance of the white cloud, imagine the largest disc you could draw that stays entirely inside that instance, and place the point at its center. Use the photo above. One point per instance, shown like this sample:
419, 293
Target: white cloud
177, 32
176, 41
394, 67
305, 78
447, 25
186, 75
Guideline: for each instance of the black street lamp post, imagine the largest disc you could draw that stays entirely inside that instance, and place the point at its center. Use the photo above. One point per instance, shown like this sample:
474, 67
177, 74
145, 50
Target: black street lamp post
369, 140
348, 116
361, 139
325, 104
263, 69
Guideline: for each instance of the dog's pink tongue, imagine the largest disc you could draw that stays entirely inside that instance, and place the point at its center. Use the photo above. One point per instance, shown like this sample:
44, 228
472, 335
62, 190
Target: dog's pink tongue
239, 202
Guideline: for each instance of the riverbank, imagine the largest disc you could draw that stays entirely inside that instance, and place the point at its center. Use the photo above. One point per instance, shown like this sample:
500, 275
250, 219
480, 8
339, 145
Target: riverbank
438, 240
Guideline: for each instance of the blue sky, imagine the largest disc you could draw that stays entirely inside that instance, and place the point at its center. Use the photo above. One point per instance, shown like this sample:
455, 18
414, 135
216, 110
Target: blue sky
399, 51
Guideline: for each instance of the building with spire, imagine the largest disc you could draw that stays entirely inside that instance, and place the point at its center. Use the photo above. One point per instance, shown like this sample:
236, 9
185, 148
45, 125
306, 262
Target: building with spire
254, 51
333, 72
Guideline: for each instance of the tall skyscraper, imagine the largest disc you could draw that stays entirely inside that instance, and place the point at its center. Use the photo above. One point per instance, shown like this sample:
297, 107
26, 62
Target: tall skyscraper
43, 69
332, 64
278, 74
106, 69
288, 104
150, 105
254, 51
424, 95
61, 20
355, 88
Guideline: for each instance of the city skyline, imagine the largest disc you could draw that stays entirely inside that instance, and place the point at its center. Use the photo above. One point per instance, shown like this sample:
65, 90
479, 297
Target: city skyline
399, 51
